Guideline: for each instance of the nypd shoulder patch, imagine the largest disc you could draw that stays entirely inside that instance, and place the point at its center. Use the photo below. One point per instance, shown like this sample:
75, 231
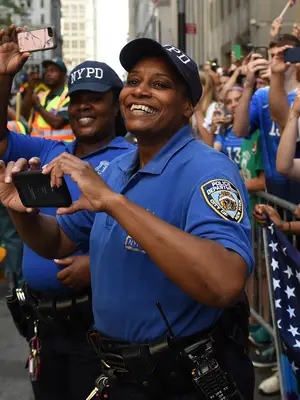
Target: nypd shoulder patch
224, 198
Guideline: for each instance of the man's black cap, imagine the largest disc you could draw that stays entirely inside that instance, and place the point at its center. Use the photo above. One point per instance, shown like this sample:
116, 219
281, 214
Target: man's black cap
138, 49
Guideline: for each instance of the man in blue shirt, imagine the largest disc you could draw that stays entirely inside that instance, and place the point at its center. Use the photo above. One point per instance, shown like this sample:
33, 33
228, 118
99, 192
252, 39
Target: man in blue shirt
168, 233
68, 367
253, 113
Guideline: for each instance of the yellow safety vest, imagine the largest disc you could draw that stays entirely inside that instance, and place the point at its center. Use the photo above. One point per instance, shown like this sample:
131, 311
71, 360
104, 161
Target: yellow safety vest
16, 126
41, 128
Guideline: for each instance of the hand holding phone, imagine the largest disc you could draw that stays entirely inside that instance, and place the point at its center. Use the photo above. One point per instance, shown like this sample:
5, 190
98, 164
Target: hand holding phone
11, 60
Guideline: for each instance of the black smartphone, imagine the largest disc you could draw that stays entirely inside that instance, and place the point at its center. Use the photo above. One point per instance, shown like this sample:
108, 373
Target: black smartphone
263, 51
35, 191
292, 55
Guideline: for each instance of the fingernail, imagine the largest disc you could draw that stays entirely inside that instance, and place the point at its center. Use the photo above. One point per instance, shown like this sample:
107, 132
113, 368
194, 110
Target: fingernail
7, 180
44, 166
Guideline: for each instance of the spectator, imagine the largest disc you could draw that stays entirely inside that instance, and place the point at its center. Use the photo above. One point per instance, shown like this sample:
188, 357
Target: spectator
51, 107
253, 113
226, 141
203, 112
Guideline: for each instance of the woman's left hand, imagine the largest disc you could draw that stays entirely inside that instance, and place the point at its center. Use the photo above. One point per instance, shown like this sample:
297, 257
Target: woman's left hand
96, 195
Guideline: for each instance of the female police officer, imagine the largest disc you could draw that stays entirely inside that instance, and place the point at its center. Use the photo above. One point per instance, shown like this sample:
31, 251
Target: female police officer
168, 234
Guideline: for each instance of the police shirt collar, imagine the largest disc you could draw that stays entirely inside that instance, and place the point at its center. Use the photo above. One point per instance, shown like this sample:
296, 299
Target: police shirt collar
118, 142
156, 166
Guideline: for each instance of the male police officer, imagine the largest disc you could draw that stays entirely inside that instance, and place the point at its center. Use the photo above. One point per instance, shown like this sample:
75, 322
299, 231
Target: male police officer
68, 366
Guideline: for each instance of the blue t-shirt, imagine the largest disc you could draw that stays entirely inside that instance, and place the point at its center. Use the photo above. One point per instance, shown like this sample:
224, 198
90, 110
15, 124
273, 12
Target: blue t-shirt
270, 137
188, 185
39, 272
231, 144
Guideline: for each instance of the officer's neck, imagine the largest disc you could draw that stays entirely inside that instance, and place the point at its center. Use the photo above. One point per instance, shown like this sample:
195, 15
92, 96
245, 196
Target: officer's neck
151, 145
86, 146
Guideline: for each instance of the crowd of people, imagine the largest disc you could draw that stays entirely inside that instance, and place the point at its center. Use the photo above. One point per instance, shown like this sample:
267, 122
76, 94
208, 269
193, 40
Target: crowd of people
161, 170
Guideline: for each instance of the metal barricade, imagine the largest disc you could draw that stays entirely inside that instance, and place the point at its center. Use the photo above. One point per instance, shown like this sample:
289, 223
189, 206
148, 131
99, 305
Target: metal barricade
259, 286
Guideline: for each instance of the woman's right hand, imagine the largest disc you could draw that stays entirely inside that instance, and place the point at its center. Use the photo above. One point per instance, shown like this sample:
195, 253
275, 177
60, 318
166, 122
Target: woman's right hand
11, 60
9, 195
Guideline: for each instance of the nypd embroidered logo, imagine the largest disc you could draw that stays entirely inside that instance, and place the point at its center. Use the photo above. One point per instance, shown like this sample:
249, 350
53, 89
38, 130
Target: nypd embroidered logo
102, 167
131, 244
224, 198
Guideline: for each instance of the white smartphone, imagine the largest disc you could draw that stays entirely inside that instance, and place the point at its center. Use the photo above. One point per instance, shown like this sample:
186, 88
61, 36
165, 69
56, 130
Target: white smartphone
37, 39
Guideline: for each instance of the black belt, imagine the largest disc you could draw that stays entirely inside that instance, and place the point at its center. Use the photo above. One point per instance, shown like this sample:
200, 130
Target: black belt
48, 305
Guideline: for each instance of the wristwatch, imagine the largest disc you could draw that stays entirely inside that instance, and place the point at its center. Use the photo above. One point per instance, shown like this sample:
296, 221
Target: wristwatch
37, 107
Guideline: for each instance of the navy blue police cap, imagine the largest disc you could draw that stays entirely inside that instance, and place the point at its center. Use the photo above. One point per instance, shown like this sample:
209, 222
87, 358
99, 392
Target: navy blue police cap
138, 49
93, 76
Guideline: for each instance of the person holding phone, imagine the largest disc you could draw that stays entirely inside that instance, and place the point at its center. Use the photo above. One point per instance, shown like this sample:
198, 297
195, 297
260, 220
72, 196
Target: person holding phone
254, 112
68, 365
148, 222
226, 141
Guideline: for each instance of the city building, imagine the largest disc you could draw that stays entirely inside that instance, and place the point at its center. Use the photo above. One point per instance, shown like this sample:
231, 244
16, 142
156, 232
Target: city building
79, 31
212, 26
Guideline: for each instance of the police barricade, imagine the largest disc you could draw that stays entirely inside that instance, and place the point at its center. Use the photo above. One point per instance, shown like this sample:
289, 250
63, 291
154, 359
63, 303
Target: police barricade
260, 286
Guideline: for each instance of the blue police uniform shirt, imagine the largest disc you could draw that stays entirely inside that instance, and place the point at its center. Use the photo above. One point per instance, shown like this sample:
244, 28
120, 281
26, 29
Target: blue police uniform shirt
231, 144
187, 184
39, 272
270, 137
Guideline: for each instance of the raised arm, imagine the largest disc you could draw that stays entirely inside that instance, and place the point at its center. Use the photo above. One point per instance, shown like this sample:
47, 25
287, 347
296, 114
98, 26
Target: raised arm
286, 163
242, 116
278, 102
11, 61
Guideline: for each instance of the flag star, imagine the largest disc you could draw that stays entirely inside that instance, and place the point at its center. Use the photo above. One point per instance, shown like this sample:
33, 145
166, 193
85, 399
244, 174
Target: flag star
271, 227
273, 246
291, 311
294, 331
279, 324
274, 264
298, 276
297, 344
277, 303
284, 250
294, 368
276, 283
290, 292
288, 271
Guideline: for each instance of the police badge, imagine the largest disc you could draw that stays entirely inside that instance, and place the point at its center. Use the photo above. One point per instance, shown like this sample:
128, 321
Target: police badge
224, 198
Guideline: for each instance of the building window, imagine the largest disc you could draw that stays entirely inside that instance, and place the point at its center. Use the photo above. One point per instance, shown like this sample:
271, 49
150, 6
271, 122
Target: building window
229, 7
66, 26
42, 3
82, 44
74, 9
42, 19
74, 44
81, 26
81, 9
74, 26
238, 3
66, 44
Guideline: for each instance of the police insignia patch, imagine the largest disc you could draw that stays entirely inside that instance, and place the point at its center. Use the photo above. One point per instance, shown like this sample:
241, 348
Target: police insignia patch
224, 198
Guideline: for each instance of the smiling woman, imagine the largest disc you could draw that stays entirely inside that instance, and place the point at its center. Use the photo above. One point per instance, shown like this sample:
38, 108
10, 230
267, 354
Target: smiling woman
161, 237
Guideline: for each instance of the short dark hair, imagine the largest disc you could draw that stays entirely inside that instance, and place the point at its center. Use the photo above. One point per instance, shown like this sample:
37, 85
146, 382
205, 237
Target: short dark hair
285, 39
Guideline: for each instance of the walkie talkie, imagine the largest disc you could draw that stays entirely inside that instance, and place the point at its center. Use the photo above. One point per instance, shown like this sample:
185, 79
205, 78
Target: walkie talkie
200, 362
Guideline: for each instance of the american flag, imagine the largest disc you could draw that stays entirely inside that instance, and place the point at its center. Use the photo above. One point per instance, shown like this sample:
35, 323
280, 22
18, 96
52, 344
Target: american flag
285, 268
292, 3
